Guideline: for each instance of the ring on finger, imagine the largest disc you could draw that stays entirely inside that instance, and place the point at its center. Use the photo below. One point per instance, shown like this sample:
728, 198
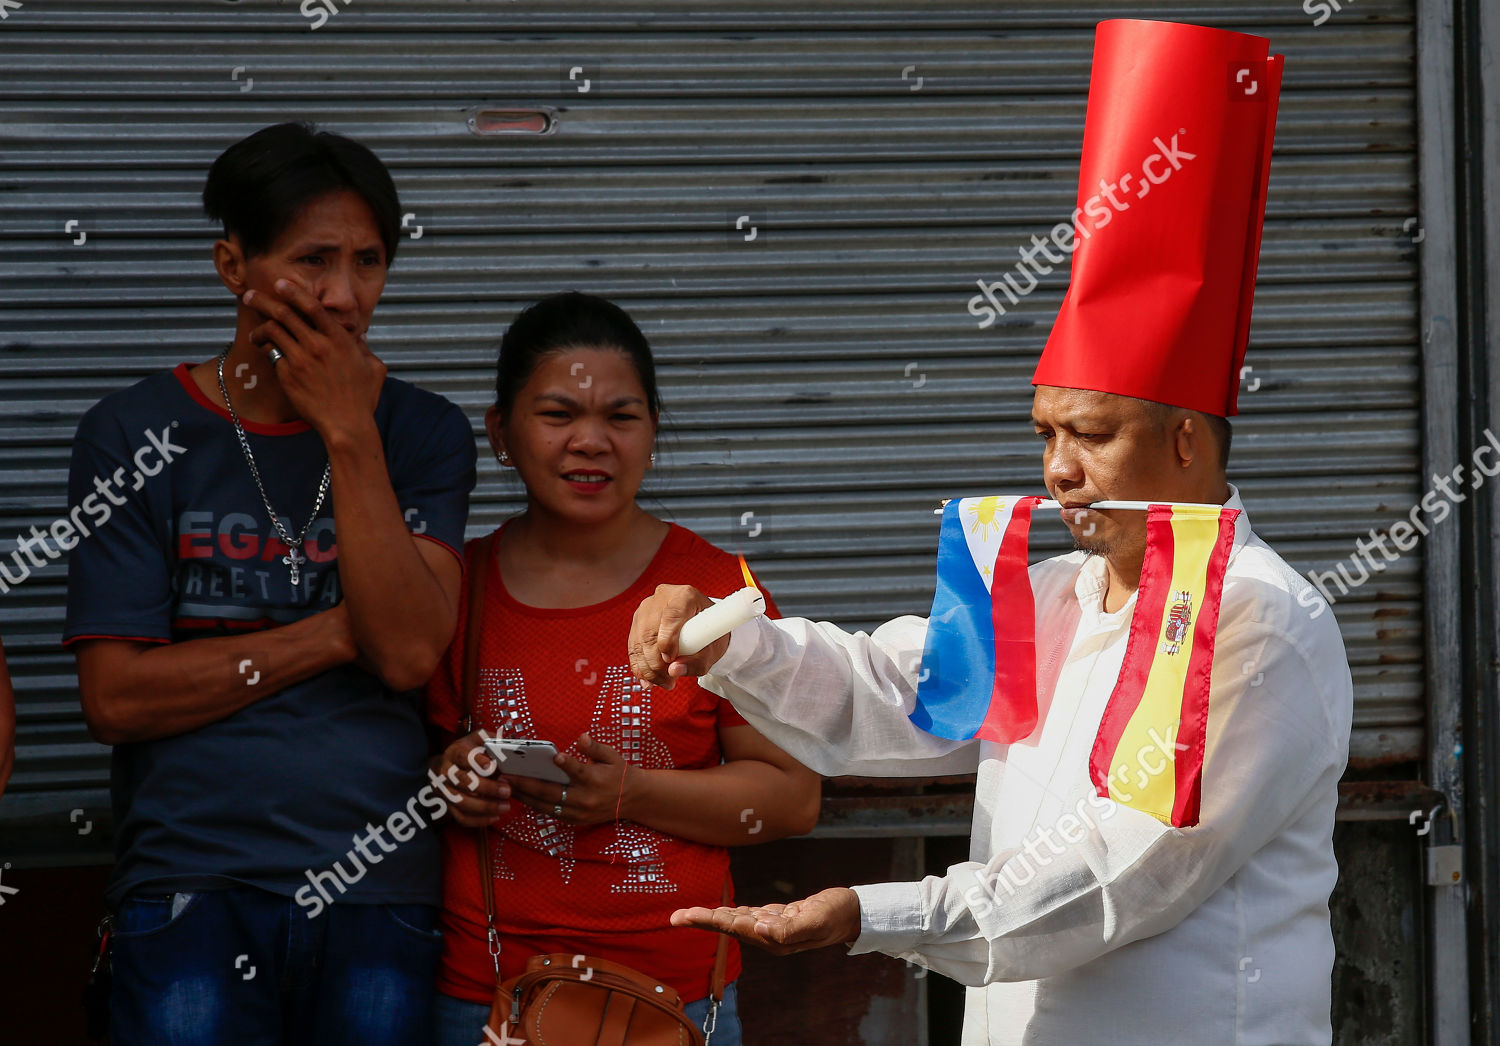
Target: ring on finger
275, 355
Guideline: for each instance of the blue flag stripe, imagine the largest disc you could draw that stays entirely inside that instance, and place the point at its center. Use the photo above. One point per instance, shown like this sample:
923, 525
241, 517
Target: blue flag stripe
958, 659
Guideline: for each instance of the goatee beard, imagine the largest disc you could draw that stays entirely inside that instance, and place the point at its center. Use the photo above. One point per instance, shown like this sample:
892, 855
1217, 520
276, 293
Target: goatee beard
1093, 546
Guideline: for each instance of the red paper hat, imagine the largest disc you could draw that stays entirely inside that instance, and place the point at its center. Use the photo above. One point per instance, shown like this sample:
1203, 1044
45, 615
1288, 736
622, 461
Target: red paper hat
1171, 199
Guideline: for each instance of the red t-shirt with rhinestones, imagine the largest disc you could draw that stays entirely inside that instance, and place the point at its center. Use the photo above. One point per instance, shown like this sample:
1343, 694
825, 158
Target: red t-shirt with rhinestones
604, 890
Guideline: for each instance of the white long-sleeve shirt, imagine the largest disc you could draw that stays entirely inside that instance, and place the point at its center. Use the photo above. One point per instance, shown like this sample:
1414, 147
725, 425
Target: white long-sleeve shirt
1078, 920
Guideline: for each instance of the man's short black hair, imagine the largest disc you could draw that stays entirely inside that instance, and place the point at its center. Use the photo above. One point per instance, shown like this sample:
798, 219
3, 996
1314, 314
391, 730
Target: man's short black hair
1223, 432
1166, 416
259, 185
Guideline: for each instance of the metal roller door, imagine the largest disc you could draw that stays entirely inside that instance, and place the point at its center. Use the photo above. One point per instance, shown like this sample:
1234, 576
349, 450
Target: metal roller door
825, 384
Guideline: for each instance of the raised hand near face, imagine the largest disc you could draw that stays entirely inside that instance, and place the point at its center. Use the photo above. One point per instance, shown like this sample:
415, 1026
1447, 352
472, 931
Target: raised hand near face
326, 370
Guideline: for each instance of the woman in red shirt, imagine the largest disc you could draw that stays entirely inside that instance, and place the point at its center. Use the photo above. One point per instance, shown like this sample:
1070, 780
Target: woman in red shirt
660, 781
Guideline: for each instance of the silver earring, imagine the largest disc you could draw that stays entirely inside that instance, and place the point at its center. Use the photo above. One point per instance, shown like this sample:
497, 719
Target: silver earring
503, 457
653, 459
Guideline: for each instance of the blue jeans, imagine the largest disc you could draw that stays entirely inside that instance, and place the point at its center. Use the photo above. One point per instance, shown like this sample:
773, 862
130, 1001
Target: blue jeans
461, 1023
246, 967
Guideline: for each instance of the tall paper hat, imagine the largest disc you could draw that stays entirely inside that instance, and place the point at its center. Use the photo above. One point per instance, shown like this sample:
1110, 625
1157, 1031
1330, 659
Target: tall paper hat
1171, 199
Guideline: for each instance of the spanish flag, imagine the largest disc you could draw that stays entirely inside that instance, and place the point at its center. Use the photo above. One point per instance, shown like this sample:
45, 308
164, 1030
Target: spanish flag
1148, 754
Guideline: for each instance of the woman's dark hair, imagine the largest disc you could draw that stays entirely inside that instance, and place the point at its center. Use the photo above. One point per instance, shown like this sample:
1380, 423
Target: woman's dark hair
259, 184
571, 320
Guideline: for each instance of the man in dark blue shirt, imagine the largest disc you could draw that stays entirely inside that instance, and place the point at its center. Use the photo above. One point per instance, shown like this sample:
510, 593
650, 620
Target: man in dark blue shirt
266, 564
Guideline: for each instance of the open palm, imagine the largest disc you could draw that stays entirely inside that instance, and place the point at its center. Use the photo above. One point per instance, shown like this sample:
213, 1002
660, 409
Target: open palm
828, 917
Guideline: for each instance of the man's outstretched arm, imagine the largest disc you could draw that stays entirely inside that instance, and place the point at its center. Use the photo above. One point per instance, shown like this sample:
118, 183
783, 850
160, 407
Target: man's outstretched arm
1110, 875
837, 702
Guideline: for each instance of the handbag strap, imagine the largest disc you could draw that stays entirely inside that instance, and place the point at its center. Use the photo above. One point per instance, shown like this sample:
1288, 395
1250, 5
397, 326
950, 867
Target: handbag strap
716, 979
721, 956
479, 572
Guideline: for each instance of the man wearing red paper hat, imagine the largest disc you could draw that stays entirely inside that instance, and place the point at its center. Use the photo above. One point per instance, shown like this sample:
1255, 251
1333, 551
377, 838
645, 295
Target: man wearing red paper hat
1185, 901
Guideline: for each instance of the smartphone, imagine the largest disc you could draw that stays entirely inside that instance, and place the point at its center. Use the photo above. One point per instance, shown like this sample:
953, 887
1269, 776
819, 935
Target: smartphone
522, 757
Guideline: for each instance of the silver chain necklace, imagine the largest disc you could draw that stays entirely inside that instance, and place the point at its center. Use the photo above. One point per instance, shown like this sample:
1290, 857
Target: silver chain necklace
294, 557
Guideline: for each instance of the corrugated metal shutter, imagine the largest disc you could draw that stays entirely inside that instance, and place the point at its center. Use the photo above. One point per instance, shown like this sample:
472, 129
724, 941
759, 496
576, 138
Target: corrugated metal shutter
825, 376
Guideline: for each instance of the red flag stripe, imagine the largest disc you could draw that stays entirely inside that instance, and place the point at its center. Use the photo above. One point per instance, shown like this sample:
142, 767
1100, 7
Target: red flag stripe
1140, 647
1012, 713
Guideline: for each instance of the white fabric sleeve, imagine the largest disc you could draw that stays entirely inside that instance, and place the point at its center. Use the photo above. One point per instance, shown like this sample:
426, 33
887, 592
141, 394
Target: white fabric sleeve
837, 702
1117, 875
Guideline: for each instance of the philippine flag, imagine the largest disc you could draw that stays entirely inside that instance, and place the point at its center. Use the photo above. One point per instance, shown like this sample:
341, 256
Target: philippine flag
978, 676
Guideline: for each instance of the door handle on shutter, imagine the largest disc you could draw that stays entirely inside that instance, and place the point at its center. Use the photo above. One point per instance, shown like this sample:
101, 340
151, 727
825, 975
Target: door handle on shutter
532, 120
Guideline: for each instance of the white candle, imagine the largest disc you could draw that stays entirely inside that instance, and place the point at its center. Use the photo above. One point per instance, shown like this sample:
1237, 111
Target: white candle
720, 619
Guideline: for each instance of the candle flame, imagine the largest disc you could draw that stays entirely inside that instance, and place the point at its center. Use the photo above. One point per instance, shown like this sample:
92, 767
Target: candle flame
745, 570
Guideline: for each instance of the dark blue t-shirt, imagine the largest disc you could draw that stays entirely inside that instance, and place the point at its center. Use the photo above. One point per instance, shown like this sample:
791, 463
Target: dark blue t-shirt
178, 546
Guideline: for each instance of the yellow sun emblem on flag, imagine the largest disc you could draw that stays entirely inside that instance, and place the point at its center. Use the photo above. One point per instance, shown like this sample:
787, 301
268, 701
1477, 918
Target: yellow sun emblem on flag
985, 514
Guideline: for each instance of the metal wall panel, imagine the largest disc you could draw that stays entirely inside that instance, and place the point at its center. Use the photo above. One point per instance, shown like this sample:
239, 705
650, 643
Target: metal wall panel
825, 376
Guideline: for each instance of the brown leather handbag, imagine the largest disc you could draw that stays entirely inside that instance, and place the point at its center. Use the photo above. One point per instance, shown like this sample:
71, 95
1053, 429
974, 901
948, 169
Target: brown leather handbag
573, 1000
577, 1000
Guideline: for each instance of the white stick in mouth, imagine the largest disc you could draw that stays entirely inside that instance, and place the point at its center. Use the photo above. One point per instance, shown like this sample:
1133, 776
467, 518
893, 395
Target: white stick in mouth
1127, 506
719, 620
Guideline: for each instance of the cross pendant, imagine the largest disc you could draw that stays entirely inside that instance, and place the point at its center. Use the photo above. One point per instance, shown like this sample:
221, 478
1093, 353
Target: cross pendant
294, 559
